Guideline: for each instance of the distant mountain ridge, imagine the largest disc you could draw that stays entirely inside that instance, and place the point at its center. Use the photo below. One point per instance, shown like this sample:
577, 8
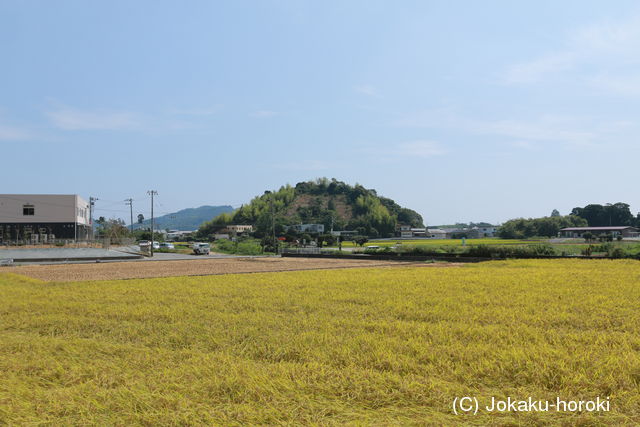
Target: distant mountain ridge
186, 219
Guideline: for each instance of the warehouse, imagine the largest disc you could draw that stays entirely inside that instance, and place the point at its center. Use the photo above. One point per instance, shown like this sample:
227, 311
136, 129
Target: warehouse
43, 218
577, 232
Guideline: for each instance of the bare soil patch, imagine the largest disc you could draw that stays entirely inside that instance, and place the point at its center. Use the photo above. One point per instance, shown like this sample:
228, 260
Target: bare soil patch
147, 269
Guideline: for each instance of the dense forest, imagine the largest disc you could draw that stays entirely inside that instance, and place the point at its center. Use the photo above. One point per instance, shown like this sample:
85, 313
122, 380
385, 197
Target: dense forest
333, 203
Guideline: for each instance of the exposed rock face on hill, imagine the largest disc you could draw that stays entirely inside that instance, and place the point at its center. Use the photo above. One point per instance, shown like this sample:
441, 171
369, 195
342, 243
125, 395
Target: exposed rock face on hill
305, 202
323, 201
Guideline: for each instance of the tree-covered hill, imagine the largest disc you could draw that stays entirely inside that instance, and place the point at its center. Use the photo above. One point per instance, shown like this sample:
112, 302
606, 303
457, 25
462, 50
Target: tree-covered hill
323, 201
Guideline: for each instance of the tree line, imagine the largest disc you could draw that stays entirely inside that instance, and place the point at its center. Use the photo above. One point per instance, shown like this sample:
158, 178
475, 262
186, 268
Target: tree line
592, 215
610, 214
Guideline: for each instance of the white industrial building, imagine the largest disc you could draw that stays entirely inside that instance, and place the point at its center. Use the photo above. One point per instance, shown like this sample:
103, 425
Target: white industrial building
41, 218
308, 228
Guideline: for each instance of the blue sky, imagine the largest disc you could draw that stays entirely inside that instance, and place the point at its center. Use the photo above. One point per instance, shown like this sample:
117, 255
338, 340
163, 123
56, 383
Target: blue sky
463, 111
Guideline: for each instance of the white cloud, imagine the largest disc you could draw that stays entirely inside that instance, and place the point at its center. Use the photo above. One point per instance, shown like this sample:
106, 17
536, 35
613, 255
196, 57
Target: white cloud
567, 131
548, 128
197, 111
608, 37
435, 118
600, 50
621, 84
525, 145
534, 71
419, 149
367, 90
10, 133
264, 114
422, 149
73, 119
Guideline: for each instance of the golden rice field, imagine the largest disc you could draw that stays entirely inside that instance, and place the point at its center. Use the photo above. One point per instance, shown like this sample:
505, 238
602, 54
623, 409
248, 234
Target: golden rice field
385, 346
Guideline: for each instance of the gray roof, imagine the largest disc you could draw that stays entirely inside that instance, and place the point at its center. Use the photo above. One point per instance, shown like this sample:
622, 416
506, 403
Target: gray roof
614, 228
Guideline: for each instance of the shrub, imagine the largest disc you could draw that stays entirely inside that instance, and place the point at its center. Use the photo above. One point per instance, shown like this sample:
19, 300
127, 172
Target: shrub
360, 240
380, 251
484, 251
605, 247
587, 251
248, 247
617, 253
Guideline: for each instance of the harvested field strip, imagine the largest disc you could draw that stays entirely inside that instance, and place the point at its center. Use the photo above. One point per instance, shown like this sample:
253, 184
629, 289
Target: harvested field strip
149, 269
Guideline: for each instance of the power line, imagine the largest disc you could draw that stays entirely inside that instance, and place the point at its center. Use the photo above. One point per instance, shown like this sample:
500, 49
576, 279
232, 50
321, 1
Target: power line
111, 210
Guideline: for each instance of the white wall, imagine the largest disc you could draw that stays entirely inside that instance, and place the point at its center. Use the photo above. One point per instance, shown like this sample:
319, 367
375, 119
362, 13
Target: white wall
47, 208
82, 210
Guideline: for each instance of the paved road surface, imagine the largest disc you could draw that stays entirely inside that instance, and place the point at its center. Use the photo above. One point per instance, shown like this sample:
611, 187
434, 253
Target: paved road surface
62, 254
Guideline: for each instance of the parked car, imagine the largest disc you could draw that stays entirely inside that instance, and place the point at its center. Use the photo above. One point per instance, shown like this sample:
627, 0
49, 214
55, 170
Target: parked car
201, 248
166, 245
156, 245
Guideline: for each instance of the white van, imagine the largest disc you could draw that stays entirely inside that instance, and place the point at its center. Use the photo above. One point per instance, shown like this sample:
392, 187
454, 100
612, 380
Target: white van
201, 248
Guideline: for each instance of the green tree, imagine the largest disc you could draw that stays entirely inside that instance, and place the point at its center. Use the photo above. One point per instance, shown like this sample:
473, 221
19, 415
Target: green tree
616, 214
209, 228
114, 229
360, 240
326, 239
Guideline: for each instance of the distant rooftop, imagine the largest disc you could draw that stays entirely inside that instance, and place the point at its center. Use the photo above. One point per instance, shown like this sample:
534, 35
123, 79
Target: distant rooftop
613, 228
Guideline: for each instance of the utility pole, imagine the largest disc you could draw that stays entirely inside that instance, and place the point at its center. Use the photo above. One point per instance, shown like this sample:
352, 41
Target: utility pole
92, 203
273, 225
130, 203
273, 220
152, 193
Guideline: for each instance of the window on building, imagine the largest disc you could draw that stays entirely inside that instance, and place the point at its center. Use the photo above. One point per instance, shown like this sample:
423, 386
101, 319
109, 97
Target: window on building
28, 210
